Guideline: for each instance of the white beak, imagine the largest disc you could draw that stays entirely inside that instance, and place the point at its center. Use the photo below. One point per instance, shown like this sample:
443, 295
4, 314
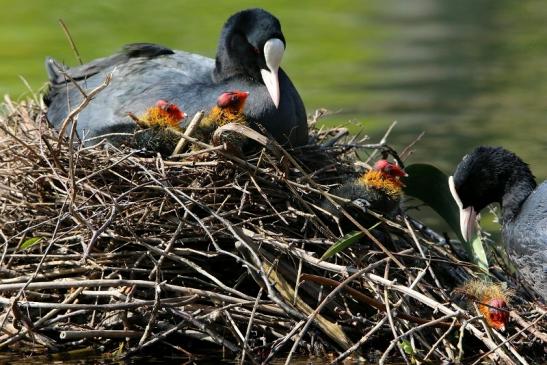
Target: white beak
467, 215
273, 53
467, 222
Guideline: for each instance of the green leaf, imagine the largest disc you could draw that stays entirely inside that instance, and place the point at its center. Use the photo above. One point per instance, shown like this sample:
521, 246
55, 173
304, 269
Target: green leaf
29, 243
343, 243
407, 347
478, 254
346, 241
430, 185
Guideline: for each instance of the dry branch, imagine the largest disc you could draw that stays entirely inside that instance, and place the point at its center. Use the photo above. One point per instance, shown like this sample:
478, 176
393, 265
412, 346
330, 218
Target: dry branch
106, 248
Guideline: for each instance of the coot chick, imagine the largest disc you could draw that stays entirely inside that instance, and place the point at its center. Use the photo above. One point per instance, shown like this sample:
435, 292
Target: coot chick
160, 128
162, 114
249, 54
495, 175
492, 301
379, 189
229, 109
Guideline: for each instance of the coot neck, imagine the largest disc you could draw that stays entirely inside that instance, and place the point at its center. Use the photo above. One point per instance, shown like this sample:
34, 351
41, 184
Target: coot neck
517, 189
225, 67
231, 60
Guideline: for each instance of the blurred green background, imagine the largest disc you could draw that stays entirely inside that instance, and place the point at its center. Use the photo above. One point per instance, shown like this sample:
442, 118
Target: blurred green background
466, 72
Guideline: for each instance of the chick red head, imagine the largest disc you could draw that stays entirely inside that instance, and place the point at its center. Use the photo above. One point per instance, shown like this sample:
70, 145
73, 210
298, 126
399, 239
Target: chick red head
172, 110
496, 313
384, 176
492, 301
234, 100
389, 168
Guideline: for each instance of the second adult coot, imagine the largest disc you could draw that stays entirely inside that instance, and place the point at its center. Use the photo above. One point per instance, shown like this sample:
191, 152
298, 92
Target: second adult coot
495, 175
249, 55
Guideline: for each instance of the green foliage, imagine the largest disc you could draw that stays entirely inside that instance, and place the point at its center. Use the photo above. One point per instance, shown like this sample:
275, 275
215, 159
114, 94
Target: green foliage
477, 252
342, 244
430, 185
346, 241
407, 347
29, 243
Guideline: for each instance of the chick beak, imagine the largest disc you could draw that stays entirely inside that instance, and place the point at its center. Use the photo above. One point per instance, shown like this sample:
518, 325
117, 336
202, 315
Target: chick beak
243, 95
273, 53
397, 171
502, 327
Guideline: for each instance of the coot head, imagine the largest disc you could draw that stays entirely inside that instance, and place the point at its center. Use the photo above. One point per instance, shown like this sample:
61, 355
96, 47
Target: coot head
251, 46
378, 189
489, 175
383, 182
163, 114
497, 313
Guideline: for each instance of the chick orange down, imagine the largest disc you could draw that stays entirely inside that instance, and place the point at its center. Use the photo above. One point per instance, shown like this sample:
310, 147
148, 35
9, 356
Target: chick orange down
160, 128
229, 109
492, 301
385, 177
162, 114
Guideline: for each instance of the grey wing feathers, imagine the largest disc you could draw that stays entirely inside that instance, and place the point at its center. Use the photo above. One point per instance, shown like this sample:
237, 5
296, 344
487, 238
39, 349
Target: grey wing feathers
56, 70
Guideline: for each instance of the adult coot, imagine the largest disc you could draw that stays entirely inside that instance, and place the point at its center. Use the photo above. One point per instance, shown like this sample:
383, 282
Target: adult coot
249, 53
493, 174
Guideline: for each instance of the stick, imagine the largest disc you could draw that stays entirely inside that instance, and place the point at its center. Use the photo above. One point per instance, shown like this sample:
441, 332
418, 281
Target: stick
70, 117
188, 133
78, 335
71, 41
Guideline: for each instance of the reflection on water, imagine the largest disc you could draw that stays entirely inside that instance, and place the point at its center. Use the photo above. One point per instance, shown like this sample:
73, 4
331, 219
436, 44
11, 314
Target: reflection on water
467, 73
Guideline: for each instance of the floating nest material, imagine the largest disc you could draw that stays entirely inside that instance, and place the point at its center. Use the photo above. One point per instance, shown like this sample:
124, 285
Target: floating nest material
105, 250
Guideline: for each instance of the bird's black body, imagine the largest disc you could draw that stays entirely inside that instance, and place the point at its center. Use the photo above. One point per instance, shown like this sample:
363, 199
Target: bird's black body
145, 73
155, 140
493, 174
376, 200
363, 198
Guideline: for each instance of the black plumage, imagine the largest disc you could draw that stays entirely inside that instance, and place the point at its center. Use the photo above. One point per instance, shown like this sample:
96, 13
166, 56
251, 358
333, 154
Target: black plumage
495, 175
250, 47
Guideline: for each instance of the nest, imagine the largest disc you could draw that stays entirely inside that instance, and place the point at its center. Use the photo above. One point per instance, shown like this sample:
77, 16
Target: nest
108, 251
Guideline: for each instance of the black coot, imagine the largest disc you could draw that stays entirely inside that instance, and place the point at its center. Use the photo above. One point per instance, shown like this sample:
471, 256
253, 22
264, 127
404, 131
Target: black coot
249, 53
495, 175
